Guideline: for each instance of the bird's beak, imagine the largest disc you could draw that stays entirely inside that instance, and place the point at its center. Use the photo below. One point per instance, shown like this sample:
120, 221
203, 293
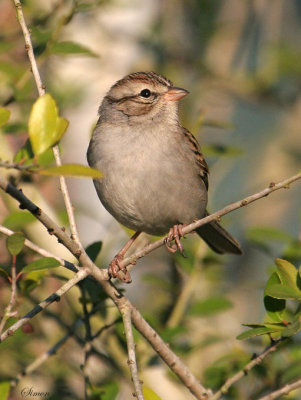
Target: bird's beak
175, 94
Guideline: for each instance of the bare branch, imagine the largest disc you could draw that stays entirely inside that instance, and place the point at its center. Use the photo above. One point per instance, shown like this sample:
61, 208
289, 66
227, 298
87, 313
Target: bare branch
284, 390
18, 166
41, 90
67, 200
80, 275
132, 362
29, 48
239, 375
8, 312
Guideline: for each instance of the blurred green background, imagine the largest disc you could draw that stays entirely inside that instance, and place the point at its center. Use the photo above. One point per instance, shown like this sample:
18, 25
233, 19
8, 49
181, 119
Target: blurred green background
241, 62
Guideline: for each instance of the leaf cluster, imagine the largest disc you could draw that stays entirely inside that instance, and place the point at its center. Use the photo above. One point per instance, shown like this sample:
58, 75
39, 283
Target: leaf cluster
281, 320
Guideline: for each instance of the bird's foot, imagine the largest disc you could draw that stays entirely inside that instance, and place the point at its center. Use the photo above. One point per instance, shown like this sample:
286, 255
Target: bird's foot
115, 267
175, 233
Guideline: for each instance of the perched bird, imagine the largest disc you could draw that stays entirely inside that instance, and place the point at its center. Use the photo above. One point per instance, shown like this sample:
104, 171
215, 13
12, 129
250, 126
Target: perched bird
155, 178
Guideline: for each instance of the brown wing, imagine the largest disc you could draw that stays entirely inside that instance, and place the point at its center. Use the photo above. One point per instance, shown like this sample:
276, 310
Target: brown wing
199, 158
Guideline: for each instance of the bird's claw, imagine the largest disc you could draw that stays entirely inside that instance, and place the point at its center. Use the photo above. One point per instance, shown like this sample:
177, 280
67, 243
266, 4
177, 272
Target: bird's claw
175, 233
115, 267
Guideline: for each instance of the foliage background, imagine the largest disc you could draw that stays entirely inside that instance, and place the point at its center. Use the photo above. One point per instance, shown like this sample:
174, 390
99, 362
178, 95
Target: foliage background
241, 63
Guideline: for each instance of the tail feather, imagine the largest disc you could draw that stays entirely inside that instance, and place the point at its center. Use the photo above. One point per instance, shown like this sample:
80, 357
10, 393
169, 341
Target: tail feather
219, 239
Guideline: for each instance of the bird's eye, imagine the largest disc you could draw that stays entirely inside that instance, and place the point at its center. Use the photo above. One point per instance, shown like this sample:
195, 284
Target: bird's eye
145, 93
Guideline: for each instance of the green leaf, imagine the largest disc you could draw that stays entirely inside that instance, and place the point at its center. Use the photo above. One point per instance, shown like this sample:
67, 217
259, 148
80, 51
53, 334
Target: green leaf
275, 308
4, 390
71, 48
108, 391
45, 126
149, 394
71, 170
15, 127
15, 243
261, 330
42, 263
4, 115
24, 154
210, 306
45, 158
18, 219
287, 273
93, 250
283, 292
31, 281
293, 328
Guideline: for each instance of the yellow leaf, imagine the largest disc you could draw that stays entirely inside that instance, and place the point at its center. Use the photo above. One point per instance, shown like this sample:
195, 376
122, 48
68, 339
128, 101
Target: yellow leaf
45, 126
71, 170
149, 394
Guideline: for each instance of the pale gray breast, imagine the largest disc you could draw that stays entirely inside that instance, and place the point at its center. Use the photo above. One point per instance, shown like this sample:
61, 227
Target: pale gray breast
151, 180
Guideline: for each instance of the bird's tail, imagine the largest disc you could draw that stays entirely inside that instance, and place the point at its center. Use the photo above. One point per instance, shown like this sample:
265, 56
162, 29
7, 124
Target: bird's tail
219, 239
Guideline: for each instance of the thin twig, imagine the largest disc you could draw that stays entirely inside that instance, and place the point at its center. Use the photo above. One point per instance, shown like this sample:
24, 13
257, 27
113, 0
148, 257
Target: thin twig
41, 90
45, 253
132, 362
80, 275
67, 200
8, 312
284, 390
29, 48
88, 340
18, 166
239, 375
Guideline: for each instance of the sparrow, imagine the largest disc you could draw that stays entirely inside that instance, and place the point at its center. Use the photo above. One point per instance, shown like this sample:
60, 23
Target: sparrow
155, 178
